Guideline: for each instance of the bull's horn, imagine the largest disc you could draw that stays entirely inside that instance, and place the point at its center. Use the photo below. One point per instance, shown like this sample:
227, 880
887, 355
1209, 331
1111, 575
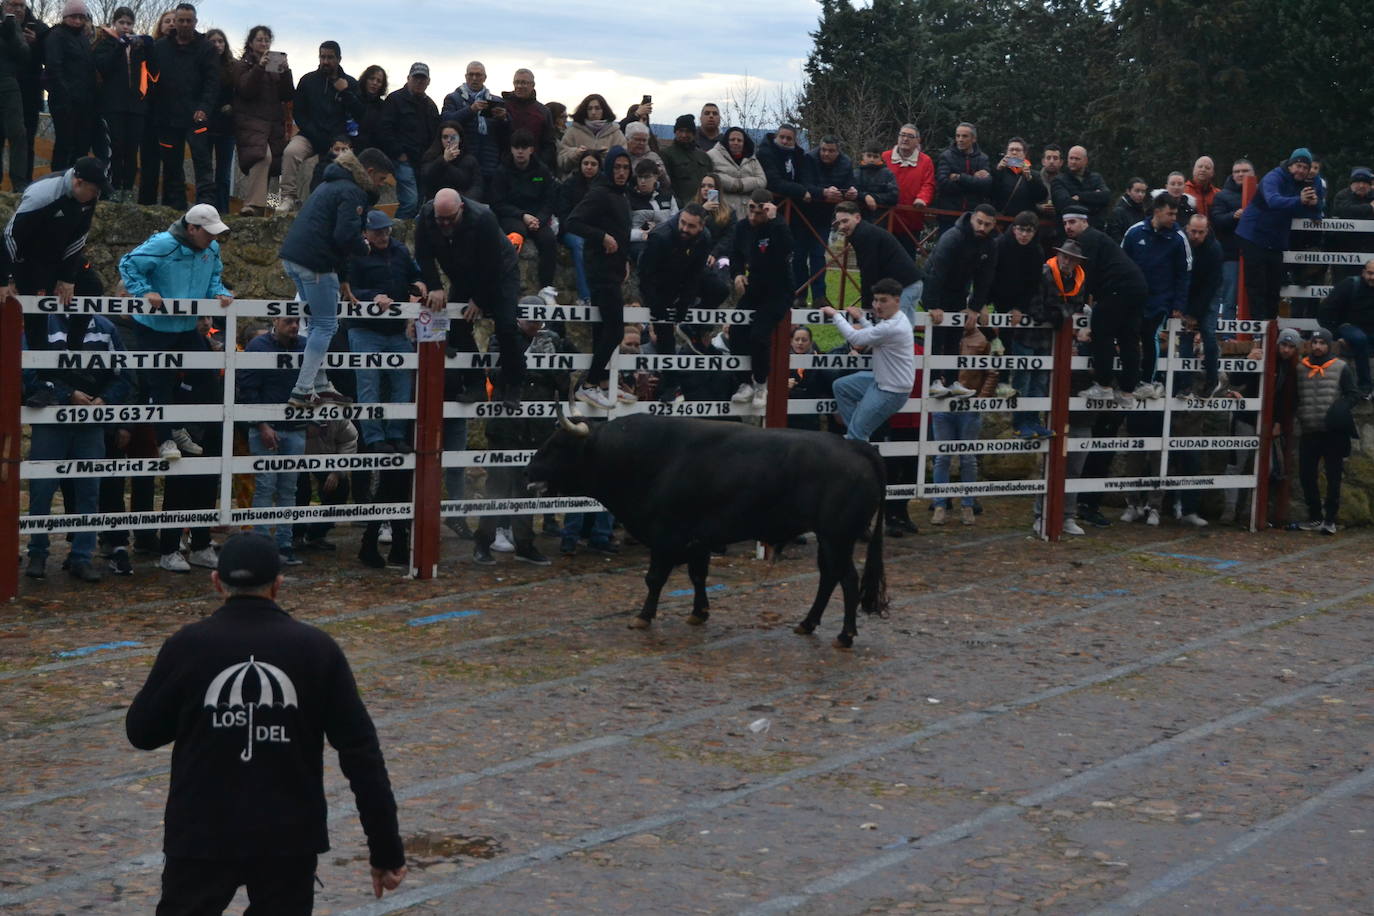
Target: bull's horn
577, 429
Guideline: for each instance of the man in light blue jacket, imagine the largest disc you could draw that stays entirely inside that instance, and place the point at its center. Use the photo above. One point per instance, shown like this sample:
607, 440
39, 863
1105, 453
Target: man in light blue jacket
181, 263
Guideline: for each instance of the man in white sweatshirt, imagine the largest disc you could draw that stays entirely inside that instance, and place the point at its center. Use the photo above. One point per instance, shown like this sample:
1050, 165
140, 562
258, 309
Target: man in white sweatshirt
867, 399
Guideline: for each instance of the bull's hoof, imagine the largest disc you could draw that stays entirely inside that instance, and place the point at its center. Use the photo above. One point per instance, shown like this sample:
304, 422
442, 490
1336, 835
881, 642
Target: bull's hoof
844, 641
804, 628
696, 620
639, 623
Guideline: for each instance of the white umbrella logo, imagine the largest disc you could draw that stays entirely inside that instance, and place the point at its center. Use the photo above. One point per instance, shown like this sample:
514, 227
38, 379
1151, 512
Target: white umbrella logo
274, 689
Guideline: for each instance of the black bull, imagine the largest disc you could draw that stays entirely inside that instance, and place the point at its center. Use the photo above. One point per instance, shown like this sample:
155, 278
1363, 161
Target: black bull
682, 486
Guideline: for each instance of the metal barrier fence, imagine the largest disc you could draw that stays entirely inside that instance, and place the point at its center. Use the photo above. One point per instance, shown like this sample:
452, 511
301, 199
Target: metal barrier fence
429, 410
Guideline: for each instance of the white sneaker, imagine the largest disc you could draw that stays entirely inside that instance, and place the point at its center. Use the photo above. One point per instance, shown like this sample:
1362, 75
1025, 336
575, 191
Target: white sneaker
1035, 526
1152, 518
761, 396
174, 562
1132, 514
937, 389
1192, 518
168, 451
384, 533
184, 442
583, 303
1097, 392
502, 542
626, 396
744, 394
1126, 400
549, 295
1157, 391
1072, 527
596, 396
939, 515
1143, 391
959, 390
286, 206
205, 557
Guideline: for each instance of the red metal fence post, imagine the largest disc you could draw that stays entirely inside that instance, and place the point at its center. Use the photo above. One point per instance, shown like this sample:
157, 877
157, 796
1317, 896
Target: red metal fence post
429, 451
11, 383
1259, 505
1057, 461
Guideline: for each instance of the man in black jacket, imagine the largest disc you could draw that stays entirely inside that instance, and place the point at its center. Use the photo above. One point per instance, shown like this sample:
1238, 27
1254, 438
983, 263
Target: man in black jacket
962, 178
410, 122
44, 250
326, 100
14, 64
880, 257
1353, 202
523, 195
1348, 313
789, 176
602, 219
463, 239
673, 277
959, 275
1204, 305
1130, 209
1119, 292
1225, 214
760, 263
249, 696
188, 77
1077, 186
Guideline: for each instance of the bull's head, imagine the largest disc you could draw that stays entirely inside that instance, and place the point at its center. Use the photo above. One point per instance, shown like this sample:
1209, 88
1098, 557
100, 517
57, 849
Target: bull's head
557, 466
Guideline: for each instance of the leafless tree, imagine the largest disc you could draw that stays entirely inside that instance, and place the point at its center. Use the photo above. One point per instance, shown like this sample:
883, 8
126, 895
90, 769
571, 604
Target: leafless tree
146, 12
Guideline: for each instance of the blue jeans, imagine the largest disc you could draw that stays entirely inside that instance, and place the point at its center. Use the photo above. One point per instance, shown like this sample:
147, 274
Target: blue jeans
455, 440
48, 443
948, 426
276, 489
602, 524
382, 386
910, 296
1230, 271
1358, 340
1029, 383
863, 405
321, 293
407, 193
808, 257
1211, 350
575, 245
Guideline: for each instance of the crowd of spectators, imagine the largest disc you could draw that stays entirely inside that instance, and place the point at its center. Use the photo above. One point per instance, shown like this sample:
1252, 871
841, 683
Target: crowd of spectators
713, 214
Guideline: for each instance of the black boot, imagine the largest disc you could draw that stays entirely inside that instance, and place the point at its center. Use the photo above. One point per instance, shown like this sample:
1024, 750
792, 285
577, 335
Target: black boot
368, 553
399, 554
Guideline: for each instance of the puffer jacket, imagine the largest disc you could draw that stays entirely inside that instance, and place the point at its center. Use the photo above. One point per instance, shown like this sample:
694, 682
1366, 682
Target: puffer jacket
737, 180
578, 135
166, 264
1268, 220
1326, 395
260, 113
70, 65
975, 343
960, 260
14, 50
329, 227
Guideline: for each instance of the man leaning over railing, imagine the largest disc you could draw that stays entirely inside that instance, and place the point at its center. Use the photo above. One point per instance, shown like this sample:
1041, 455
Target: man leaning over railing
93, 385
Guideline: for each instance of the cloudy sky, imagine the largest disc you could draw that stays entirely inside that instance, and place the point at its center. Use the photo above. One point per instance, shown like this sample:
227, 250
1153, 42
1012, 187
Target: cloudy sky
682, 54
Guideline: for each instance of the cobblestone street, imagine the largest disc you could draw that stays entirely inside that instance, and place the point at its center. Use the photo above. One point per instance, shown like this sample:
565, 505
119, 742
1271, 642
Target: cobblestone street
1143, 720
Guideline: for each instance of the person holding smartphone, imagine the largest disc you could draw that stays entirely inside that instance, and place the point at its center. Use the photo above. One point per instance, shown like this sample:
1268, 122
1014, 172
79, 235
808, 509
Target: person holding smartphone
1016, 187
262, 89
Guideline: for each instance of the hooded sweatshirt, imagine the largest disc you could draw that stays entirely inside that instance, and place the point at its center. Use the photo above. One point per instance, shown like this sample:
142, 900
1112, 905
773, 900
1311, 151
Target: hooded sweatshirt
169, 265
605, 210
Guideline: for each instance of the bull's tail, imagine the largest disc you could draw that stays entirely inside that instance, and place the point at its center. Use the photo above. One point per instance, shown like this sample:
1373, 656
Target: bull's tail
873, 584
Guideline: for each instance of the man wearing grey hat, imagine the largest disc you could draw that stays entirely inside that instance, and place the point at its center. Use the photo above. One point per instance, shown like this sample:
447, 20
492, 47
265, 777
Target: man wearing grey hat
1288, 192
248, 696
410, 124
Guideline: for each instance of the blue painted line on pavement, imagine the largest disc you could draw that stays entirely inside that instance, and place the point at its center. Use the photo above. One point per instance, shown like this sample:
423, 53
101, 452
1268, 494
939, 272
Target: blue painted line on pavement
88, 650
678, 593
1214, 562
435, 618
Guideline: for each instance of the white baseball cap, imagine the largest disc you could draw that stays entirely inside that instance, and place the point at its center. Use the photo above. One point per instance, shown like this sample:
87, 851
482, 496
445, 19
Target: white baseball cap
207, 218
